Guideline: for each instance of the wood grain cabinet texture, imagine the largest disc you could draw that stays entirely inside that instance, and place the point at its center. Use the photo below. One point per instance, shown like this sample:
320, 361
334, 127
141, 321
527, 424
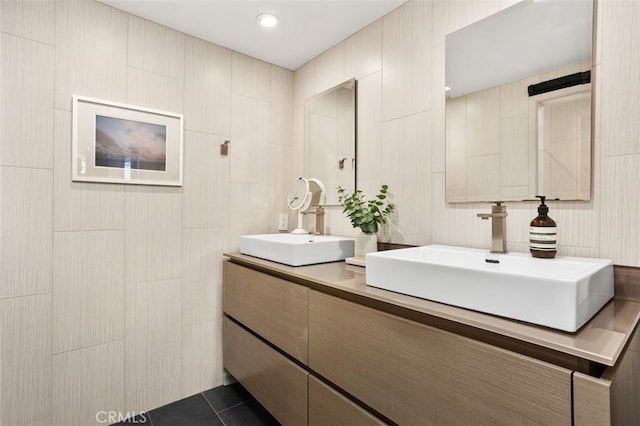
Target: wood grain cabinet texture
614, 397
415, 374
279, 384
273, 308
313, 358
327, 407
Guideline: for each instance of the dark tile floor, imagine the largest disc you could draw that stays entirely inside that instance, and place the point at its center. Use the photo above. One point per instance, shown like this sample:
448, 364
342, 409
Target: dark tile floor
228, 405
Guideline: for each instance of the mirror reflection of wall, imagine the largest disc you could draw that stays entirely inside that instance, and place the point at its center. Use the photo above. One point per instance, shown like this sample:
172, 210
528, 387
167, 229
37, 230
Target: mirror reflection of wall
494, 150
564, 142
330, 143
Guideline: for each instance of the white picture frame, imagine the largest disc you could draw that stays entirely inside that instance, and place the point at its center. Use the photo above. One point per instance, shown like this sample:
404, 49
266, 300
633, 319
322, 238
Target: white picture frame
119, 143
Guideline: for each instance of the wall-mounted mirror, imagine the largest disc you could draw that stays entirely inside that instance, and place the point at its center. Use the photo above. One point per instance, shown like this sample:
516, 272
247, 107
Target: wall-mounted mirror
518, 104
330, 139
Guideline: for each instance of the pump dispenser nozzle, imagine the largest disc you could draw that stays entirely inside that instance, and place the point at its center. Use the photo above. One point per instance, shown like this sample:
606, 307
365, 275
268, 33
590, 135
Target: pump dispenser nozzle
543, 209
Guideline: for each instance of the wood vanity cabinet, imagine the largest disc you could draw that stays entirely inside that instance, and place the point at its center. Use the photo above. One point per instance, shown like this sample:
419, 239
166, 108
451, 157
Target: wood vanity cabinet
316, 358
278, 383
416, 374
271, 307
329, 407
265, 347
612, 398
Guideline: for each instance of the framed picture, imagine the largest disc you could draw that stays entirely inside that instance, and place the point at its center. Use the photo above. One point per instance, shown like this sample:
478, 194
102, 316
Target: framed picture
121, 143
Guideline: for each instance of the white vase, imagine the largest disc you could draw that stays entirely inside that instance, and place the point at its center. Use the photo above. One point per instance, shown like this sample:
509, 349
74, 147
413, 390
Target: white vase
365, 243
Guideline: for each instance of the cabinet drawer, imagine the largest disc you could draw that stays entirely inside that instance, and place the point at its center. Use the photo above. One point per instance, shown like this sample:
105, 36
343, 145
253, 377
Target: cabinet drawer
273, 308
276, 382
613, 398
416, 374
327, 407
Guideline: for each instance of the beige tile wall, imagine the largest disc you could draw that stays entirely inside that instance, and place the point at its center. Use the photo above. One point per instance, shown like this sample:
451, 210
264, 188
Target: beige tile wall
110, 295
406, 48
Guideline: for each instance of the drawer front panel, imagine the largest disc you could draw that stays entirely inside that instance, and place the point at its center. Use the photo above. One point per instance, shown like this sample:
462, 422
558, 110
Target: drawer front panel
592, 400
613, 398
276, 382
416, 374
328, 407
275, 309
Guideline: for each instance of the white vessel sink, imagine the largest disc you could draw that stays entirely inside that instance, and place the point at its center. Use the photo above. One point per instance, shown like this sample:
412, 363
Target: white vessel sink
297, 249
562, 293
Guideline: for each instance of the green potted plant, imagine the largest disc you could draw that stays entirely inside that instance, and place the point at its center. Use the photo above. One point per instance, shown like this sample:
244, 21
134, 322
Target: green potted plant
367, 215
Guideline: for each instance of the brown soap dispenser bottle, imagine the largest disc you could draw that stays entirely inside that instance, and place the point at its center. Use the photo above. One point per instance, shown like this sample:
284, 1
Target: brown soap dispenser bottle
542, 233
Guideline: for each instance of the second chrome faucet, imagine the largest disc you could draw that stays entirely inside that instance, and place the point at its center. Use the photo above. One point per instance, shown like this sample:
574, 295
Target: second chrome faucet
498, 218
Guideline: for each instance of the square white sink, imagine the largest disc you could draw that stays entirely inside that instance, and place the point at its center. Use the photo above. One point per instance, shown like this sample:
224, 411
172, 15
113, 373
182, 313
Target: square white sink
562, 293
297, 249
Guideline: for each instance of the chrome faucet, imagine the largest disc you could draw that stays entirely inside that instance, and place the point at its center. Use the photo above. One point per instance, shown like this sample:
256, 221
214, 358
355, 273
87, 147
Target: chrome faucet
498, 217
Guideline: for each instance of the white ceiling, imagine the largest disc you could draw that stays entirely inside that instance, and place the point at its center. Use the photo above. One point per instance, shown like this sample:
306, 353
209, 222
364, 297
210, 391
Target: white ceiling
307, 27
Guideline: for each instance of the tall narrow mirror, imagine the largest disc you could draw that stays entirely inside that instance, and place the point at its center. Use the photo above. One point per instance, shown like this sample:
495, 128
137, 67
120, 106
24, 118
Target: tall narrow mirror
330, 139
518, 104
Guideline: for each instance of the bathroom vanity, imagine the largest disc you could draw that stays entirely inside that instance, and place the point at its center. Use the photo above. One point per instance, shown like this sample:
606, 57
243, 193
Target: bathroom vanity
316, 345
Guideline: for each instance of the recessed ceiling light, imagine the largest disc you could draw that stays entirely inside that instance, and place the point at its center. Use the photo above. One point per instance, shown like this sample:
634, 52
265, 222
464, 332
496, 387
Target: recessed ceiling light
267, 19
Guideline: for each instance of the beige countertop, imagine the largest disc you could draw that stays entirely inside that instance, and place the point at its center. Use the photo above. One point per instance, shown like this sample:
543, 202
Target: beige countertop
601, 340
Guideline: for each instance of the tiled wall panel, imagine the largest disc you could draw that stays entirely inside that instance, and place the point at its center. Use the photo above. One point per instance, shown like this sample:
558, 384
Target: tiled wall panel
438, 110
251, 202
286, 171
250, 77
88, 384
406, 148
153, 344
25, 359
88, 295
207, 89
281, 103
369, 144
153, 232
202, 275
412, 69
304, 83
28, 19
363, 52
67, 249
332, 62
206, 182
201, 356
25, 231
26, 99
146, 39
406, 60
619, 240
42, 422
283, 169
91, 52
155, 91
249, 150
